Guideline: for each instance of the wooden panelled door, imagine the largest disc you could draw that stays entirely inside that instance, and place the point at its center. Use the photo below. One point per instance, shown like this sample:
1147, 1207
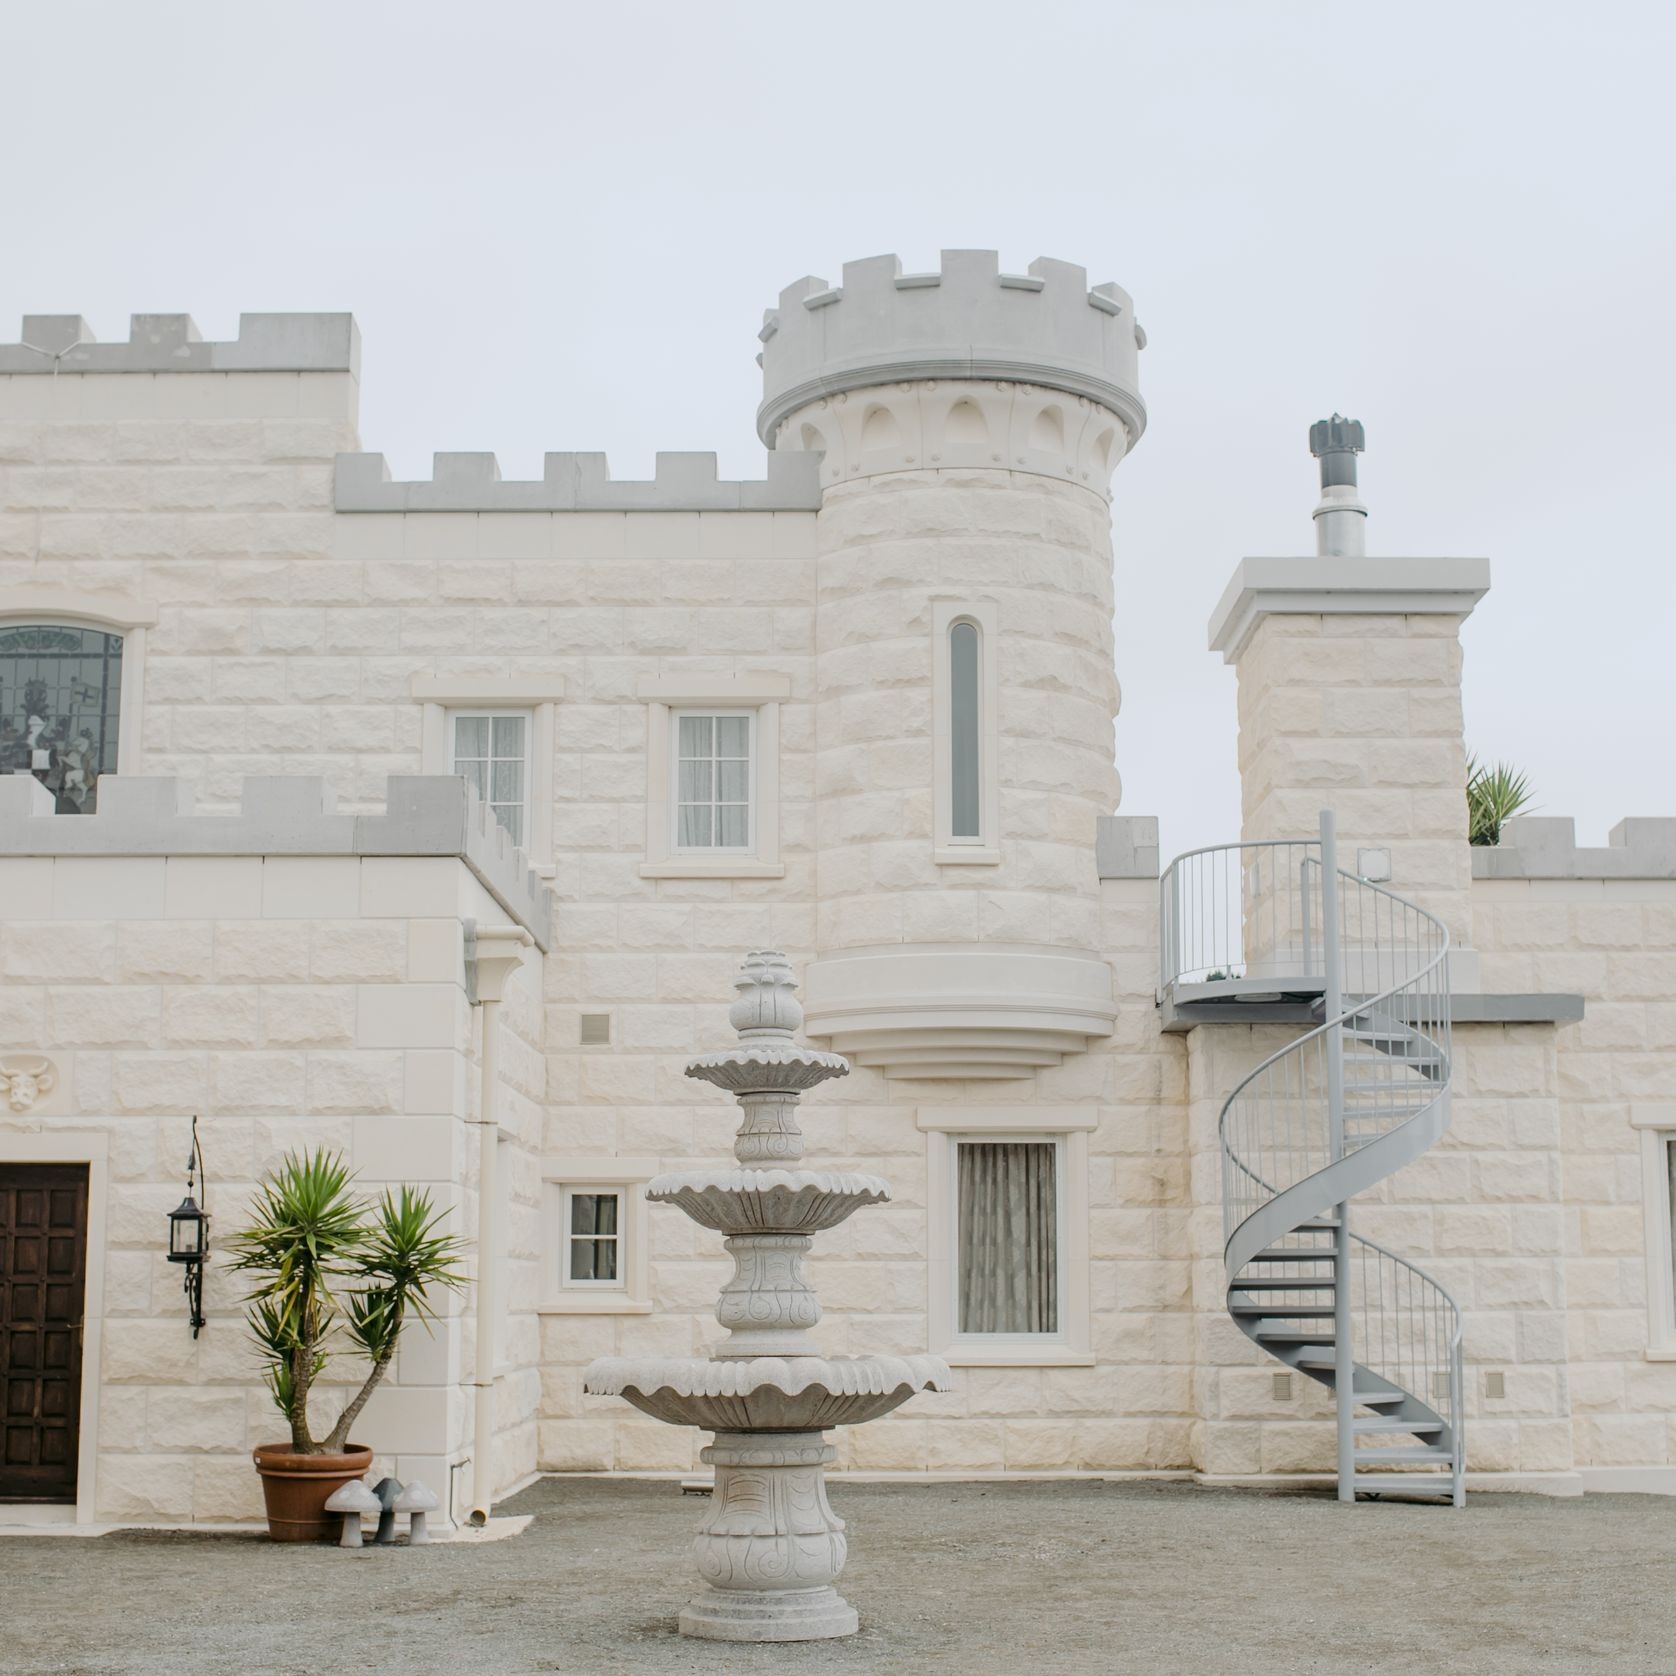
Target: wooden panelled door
43, 1274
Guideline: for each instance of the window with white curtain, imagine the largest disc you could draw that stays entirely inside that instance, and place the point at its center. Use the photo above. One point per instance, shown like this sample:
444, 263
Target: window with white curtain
712, 763
491, 749
1008, 1233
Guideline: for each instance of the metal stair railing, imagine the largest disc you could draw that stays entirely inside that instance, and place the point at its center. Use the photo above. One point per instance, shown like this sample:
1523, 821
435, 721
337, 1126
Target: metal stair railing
1232, 912
1328, 1116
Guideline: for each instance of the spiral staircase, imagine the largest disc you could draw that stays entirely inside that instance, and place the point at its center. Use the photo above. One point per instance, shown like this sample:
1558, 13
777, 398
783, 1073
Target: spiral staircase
1361, 1093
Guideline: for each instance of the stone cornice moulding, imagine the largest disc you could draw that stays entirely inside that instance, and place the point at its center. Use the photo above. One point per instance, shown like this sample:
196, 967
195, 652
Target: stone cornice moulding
486, 689
1545, 847
64, 343
742, 690
44, 603
471, 482
1317, 586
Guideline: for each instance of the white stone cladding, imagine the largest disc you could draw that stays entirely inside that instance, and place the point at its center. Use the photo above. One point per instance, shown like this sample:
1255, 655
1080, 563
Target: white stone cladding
299, 612
289, 1001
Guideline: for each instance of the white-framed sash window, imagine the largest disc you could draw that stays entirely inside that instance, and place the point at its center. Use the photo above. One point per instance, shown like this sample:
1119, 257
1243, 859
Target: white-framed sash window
713, 776
1007, 1215
965, 717
491, 751
509, 766
713, 759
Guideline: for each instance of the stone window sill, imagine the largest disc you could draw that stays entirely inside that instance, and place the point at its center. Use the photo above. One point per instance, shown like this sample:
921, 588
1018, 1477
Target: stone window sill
1661, 1353
965, 855
720, 868
619, 1304
1021, 1356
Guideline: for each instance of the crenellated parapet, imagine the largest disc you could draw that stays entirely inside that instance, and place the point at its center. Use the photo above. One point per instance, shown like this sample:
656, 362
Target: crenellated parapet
684, 482
966, 366
1545, 847
282, 815
64, 343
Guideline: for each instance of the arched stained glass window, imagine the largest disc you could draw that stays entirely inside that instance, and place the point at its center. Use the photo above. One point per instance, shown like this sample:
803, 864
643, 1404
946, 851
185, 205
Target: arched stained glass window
60, 688
965, 721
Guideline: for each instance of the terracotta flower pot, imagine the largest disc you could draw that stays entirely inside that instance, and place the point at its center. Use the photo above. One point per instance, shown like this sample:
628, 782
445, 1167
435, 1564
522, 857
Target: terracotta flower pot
295, 1488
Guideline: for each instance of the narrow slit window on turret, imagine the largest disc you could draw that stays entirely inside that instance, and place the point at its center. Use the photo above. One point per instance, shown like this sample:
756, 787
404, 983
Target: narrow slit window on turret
965, 708
965, 725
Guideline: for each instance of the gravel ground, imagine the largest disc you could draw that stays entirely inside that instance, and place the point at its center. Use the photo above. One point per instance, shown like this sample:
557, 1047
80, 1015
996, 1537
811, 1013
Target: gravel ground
977, 1578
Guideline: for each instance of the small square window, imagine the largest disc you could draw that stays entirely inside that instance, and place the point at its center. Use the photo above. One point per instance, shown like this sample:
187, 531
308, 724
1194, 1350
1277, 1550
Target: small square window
591, 1252
491, 750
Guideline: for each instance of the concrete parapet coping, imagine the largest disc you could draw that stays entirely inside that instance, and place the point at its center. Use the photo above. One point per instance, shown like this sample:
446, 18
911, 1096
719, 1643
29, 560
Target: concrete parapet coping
685, 482
1545, 847
424, 815
64, 343
1126, 846
1317, 586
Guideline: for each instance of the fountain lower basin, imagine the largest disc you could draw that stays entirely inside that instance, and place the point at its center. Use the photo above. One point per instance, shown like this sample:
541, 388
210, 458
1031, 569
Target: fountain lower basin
765, 1393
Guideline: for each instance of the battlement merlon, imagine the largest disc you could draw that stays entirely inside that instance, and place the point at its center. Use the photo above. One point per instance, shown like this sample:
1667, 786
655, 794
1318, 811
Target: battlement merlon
685, 482
1546, 847
283, 815
64, 343
966, 321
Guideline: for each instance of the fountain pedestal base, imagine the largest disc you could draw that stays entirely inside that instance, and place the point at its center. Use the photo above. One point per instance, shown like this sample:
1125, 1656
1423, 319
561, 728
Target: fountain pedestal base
771, 1546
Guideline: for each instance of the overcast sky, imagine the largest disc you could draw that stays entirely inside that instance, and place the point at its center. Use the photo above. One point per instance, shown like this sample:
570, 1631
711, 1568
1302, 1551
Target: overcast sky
558, 226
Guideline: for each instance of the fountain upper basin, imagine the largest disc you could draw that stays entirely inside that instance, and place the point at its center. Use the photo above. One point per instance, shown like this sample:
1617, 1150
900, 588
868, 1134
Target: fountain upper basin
767, 1201
766, 1393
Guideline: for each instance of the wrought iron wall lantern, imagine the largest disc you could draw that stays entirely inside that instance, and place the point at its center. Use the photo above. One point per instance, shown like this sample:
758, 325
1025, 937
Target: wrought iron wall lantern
189, 1235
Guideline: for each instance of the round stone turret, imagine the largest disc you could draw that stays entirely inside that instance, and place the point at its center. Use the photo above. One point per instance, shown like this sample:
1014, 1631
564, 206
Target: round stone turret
969, 421
967, 366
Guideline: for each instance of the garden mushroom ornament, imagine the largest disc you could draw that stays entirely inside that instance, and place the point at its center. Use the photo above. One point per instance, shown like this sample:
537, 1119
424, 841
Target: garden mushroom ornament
416, 1501
386, 1489
352, 1500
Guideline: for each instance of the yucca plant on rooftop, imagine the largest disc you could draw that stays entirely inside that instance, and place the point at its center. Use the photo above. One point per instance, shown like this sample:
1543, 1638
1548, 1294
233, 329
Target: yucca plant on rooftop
331, 1263
1495, 792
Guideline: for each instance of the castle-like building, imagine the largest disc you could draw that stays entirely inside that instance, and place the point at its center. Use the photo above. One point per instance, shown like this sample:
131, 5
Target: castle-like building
430, 821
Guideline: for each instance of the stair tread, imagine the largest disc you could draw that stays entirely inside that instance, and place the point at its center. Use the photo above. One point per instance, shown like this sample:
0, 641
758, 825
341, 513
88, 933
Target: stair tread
1282, 1312
1284, 1283
1369, 1398
1320, 1254
1288, 1335
1393, 1423
1396, 1456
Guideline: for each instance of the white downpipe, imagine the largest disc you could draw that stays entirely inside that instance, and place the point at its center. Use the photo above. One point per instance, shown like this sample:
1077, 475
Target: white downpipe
488, 1130
493, 953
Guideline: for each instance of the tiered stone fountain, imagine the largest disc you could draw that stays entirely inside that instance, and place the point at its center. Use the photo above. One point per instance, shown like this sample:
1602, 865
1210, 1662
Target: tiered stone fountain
771, 1547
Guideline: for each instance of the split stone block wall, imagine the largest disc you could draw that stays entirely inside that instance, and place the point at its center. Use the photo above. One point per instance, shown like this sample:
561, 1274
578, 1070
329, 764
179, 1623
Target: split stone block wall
1613, 1072
1361, 713
291, 1002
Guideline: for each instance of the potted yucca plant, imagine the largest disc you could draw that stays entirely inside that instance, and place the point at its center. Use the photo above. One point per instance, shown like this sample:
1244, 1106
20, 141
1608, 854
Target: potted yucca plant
330, 1266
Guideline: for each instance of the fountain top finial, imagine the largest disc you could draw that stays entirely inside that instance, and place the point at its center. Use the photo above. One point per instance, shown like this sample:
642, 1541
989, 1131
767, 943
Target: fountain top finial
765, 1007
